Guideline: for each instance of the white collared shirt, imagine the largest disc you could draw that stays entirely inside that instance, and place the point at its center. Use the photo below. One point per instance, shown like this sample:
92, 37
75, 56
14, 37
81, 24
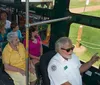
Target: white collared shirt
8, 23
61, 70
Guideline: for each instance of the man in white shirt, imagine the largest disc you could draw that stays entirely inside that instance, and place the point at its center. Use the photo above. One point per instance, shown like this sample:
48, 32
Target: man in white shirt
65, 68
3, 17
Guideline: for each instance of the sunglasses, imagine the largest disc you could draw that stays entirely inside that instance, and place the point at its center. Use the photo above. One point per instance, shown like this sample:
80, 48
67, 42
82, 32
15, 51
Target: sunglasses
69, 49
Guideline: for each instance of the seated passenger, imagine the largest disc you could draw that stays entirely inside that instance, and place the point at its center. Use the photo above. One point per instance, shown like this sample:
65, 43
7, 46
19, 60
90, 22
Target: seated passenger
35, 44
3, 34
15, 28
3, 17
13, 57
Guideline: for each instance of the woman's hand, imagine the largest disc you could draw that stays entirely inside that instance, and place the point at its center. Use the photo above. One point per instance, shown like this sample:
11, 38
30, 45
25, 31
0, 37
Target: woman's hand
31, 70
31, 67
34, 61
21, 71
38, 58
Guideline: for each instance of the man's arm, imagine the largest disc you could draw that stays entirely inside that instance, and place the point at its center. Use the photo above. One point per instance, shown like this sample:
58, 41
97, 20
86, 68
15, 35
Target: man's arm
66, 83
87, 65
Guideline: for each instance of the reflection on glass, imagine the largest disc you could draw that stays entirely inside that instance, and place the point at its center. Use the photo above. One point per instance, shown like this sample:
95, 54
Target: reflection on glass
44, 31
48, 5
89, 42
82, 7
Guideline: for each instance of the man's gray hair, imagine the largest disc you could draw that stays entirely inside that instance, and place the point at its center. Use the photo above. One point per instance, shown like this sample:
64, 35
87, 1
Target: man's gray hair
61, 42
11, 36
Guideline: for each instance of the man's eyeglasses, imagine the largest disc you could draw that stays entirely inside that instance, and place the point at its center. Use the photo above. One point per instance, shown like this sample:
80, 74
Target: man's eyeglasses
69, 49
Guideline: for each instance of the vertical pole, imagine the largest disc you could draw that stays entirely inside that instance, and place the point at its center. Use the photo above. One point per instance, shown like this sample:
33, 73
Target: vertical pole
27, 38
16, 15
79, 36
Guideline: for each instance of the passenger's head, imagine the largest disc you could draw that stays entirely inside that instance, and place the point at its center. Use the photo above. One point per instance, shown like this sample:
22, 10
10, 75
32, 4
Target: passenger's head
3, 15
33, 31
64, 46
12, 38
14, 26
2, 26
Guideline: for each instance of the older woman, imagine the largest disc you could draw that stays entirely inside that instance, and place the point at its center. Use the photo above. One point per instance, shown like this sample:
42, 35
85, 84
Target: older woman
35, 44
14, 60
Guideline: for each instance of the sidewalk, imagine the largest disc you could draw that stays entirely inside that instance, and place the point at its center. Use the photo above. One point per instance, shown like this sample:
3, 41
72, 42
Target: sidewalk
88, 8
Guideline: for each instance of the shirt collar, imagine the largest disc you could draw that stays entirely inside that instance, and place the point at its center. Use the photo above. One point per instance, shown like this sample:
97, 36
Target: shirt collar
9, 47
61, 58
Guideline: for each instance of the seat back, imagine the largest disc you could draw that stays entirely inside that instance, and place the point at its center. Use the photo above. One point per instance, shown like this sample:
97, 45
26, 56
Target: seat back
38, 74
5, 79
44, 60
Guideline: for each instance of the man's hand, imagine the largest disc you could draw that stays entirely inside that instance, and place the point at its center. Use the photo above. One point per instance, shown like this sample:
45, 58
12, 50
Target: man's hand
84, 67
94, 58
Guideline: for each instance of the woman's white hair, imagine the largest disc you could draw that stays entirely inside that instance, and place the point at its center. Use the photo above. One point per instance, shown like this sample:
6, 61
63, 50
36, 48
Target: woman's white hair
11, 36
61, 42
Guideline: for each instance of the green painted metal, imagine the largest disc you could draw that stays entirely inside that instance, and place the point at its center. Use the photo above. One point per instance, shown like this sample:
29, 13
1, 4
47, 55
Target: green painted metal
58, 29
61, 9
85, 20
11, 3
61, 28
